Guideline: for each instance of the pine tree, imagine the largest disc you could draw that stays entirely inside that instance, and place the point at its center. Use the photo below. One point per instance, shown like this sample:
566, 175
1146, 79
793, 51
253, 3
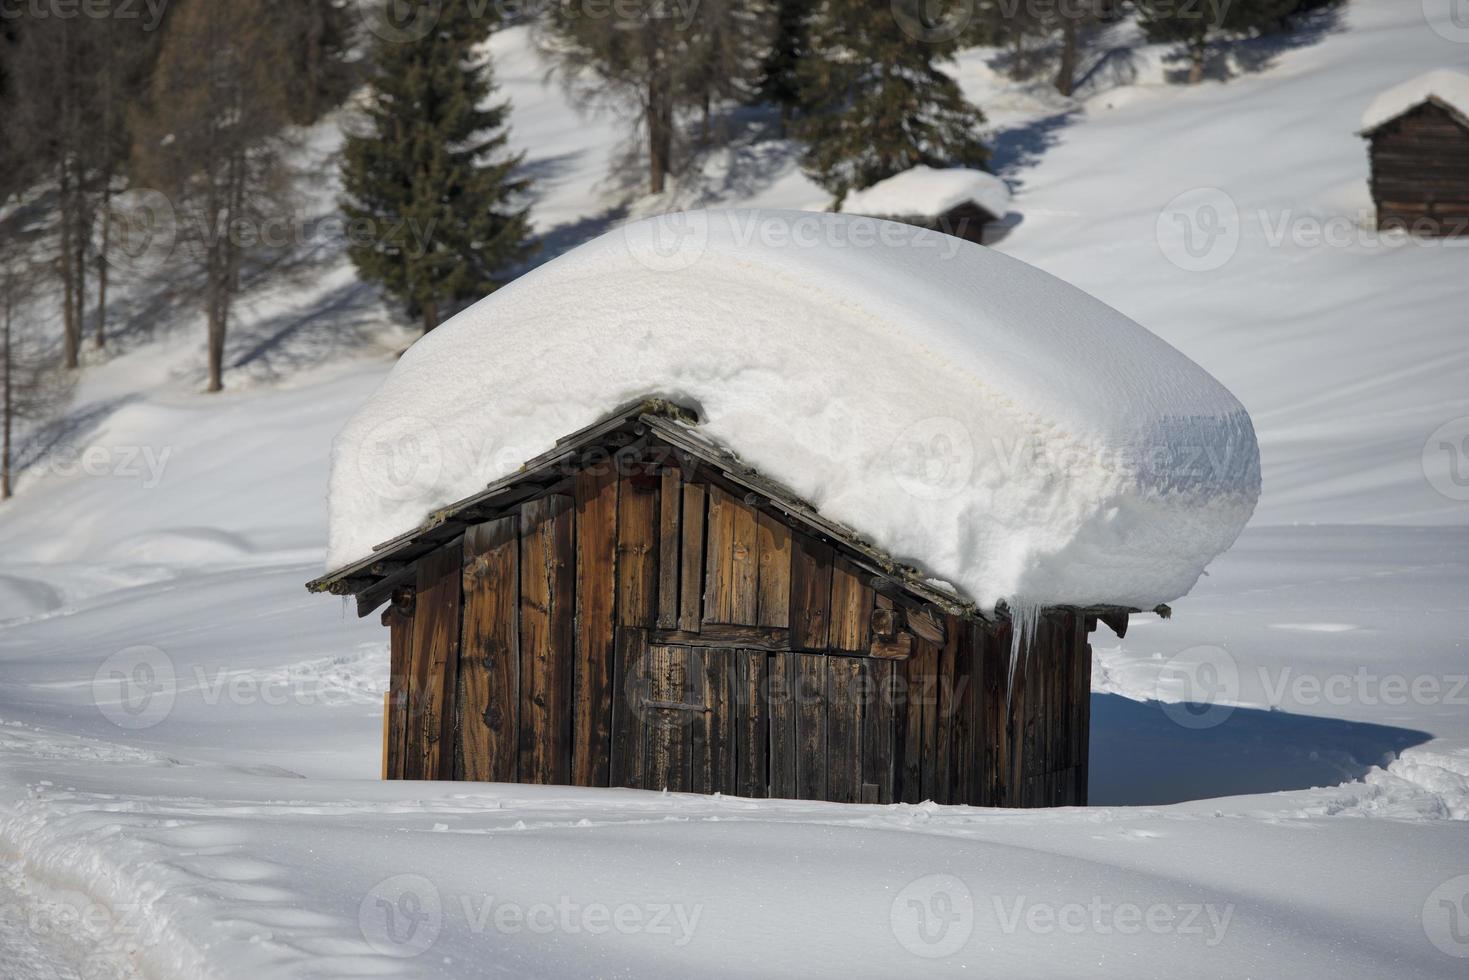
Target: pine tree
780, 82
1197, 26
879, 104
429, 180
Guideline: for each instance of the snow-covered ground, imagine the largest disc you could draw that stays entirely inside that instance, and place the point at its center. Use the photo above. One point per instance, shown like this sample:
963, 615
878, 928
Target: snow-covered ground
189, 742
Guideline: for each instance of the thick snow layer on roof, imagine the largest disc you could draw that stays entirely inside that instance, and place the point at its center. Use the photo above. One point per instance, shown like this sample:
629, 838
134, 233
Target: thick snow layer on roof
995, 426
1449, 87
929, 193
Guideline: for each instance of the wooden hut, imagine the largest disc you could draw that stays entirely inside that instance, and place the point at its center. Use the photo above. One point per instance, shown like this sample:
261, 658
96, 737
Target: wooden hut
1418, 145
638, 608
958, 201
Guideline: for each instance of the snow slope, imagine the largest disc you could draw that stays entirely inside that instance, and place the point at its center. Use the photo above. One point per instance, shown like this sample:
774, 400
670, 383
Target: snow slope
832, 352
1281, 769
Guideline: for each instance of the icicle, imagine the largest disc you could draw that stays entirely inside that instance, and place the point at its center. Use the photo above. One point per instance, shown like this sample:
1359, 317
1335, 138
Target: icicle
1024, 617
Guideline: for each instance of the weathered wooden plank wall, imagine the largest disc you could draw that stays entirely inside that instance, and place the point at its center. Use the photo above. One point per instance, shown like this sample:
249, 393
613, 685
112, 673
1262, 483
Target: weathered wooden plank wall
1420, 172
643, 629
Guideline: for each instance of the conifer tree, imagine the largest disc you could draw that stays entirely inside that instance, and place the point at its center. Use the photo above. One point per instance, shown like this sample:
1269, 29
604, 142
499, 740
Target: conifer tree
878, 102
429, 180
780, 82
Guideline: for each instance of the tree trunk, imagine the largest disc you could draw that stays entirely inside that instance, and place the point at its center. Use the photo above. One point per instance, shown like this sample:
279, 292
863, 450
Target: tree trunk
71, 328
430, 314
660, 138
217, 313
9, 409
81, 262
1066, 73
101, 333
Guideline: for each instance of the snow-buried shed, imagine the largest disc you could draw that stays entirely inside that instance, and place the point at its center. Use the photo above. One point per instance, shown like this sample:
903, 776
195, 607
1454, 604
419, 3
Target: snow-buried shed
959, 201
1418, 149
776, 504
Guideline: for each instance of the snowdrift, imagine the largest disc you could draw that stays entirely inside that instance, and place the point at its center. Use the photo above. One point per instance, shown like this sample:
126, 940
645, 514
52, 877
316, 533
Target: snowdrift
975, 416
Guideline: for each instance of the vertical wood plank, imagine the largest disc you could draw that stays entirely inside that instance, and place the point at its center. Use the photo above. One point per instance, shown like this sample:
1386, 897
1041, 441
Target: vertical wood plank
993, 707
932, 657
547, 625
489, 661
719, 543
400, 681
1083, 716
436, 655
691, 560
744, 565
967, 733
851, 607
877, 729
916, 679
637, 553
753, 725
811, 726
844, 729
782, 702
669, 735
773, 542
810, 615
596, 624
631, 690
712, 768
942, 789
670, 538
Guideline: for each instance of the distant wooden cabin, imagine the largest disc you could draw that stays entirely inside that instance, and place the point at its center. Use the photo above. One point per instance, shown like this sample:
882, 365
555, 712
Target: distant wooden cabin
637, 608
1418, 145
966, 203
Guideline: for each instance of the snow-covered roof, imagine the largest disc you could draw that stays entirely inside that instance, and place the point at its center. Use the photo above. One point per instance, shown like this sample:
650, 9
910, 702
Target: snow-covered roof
929, 193
1000, 429
1449, 88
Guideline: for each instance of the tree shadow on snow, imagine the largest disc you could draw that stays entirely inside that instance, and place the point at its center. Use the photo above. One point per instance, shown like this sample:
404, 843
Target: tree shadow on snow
1014, 150
1257, 54
1141, 756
